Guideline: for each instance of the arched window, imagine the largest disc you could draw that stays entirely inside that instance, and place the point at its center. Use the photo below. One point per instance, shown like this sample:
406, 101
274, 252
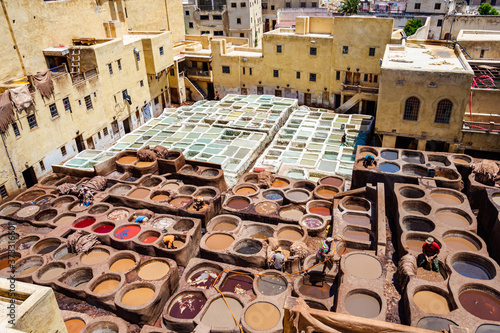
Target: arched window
443, 112
412, 106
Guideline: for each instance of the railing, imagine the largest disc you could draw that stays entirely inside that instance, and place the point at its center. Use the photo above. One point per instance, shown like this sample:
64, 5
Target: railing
490, 127
59, 70
197, 72
78, 78
360, 89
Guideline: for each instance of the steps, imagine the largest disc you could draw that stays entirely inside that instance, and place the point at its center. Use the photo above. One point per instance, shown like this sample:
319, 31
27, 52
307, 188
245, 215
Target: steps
349, 104
197, 89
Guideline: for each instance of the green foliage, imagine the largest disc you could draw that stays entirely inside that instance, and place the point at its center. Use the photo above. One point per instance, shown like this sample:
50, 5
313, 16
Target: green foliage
350, 7
412, 26
486, 9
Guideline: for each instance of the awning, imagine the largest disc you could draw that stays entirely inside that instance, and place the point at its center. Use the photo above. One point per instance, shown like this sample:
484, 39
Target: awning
56, 51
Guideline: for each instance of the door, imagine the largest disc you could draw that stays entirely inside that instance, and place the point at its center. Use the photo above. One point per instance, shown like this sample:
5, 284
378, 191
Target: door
244, 91
357, 77
348, 78
307, 98
90, 143
174, 95
211, 93
29, 177
326, 99
260, 90
277, 93
126, 125
80, 144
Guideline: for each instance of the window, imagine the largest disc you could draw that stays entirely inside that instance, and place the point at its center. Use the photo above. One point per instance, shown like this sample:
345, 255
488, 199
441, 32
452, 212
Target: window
272, 7
119, 64
3, 192
238, 20
105, 131
233, 4
288, 4
141, 83
371, 52
412, 105
312, 77
297, 75
276, 73
191, 25
53, 110
243, 4
242, 34
375, 78
226, 70
345, 49
63, 151
219, 33
137, 56
443, 112
440, 23
187, 12
417, 6
264, 5
88, 102
481, 55
16, 129
250, 70
314, 4
302, 5
32, 121
204, 17
437, 6
205, 32
217, 17
278, 48
161, 50
365, 78
313, 51
243, 70
337, 76
110, 68
42, 166
99, 135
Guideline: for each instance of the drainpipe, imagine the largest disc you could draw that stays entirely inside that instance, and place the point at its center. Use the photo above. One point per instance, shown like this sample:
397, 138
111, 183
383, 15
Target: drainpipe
11, 164
13, 38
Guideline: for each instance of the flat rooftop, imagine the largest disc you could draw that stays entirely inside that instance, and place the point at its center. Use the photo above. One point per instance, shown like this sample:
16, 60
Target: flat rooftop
478, 35
422, 57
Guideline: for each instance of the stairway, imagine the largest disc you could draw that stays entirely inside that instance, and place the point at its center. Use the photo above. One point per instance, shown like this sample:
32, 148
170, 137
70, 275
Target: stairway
196, 87
349, 104
75, 61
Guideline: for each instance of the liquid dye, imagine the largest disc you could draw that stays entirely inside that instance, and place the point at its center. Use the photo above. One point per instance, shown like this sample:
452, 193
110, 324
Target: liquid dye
360, 220
362, 305
143, 164
271, 285
219, 316
180, 202
238, 284
481, 304
150, 239
313, 223
435, 323
106, 286
187, 305
160, 197
471, 270
320, 210
139, 193
452, 219
65, 220
219, 241
333, 181
118, 214
246, 191
48, 248
431, 302
266, 207
203, 278
297, 195
446, 199
122, 265
139, 296
103, 229
153, 270
459, 244
290, 234
389, 155
4, 263
280, 183
84, 223
274, 196
358, 235
52, 273
363, 266
95, 257
291, 214
127, 232
262, 316
29, 270
74, 325
389, 167
127, 159
326, 193
224, 226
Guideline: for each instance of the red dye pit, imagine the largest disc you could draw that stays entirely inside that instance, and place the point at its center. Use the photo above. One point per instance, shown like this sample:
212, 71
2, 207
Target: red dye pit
150, 239
103, 229
127, 232
84, 223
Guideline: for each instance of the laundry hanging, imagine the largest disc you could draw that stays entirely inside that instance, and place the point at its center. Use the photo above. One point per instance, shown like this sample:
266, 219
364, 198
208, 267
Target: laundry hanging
21, 97
43, 81
6, 111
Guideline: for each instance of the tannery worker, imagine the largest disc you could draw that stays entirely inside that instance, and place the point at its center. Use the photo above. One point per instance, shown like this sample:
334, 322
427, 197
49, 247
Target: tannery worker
87, 196
369, 160
168, 241
278, 259
199, 203
140, 218
429, 255
344, 139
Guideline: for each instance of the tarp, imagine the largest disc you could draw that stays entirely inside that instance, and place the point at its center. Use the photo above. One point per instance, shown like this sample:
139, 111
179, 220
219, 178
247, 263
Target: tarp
6, 111
43, 81
21, 97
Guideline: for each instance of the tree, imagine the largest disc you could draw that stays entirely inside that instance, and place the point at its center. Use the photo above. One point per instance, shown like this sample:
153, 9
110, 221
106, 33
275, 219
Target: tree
350, 7
486, 9
412, 26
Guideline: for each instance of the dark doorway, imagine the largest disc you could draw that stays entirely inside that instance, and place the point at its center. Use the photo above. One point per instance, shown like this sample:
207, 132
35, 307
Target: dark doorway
211, 93
403, 142
126, 125
338, 100
356, 79
436, 146
174, 95
307, 98
260, 90
371, 107
205, 66
29, 177
244, 91
90, 143
278, 93
80, 145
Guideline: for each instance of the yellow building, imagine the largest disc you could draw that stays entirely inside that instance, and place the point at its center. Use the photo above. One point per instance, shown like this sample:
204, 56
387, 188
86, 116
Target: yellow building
324, 61
424, 91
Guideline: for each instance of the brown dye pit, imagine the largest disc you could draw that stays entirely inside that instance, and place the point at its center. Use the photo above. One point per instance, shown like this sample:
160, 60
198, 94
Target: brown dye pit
219, 242
29, 270
171, 186
445, 199
414, 245
290, 234
143, 164
326, 193
320, 210
259, 236
203, 278
74, 325
154, 270
27, 211
297, 195
62, 201
120, 190
52, 273
65, 220
122, 265
429, 275
319, 290
160, 197
358, 235
224, 226
356, 207
127, 159
118, 214
266, 207
139, 193
481, 304
238, 204
291, 214
187, 305
452, 219
67, 256
245, 191
94, 257
431, 302
31, 195
262, 316
238, 284
180, 202
460, 160
363, 266
360, 220
4, 263
279, 183
48, 248
106, 286
362, 305
10, 209
459, 244
138, 296
333, 181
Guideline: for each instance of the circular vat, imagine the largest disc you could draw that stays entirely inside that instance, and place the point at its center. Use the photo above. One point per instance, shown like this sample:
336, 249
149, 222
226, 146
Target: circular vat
149, 236
64, 219
435, 323
100, 327
83, 222
44, 199
139, 193
443, 173
207, 193
28, 265
416, 207
151, 182
415, 170
27, 211
127, 158
266, 207
187, 305
325, 192
358, 234
319, 207
118, 214
30, 195
473, 266
273, 195
262, 316
127, 232
299, 196
172, 185
74, 325
98, 209
481, 301
438, 160
103, 227
218, 314
154, 269
290, 233
311, 221
238, 203
248, 246
26, 242
363, 303
305, 185
363, 266
180, 202
61, 201
432, 300
161, 222
257, 231
95, 257
210, 173
357, 204
461, 159
411, 192
453, 217
178, 243
51, 180
280, 182
488, 328
357, 219
251, 178
187, 189
315, 287
203, 276
413, 157
160, 196
122, 262
224, 222
64, 254
413, 223
238, 283
332, 181
389, 167
292, 212
46, 245
456, 240
219, 241
184, 225
77, 207
390, 155
9, 208
363, 151
271, 285
447, 197
246, 189
51, 271
120, 189
105, 284
8, 258
137, 294
413, 242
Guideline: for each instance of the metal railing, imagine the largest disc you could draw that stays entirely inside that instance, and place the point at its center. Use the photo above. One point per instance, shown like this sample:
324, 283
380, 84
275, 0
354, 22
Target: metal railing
78, 78
360, 89
197, 72
490, 127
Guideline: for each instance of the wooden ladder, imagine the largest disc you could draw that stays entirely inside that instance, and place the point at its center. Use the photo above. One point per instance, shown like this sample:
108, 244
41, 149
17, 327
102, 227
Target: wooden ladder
75, 61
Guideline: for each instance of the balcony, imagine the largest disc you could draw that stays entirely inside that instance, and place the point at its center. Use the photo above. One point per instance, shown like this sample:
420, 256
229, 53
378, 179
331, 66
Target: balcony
359, 88
198, 74
83, 76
